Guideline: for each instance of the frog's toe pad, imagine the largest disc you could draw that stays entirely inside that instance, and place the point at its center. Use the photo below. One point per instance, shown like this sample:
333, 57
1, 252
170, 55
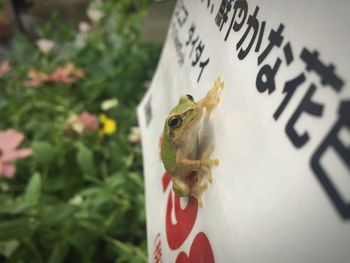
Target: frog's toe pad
216, 162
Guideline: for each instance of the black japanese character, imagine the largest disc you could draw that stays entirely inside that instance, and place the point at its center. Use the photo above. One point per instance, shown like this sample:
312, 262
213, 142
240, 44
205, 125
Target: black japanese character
191, 33
222, 15
240, 7
265, 80
308, 106
181, 14
198, 53
289, 88
262, 30
343, 151
202, 65
275, 39
253, 24
326, 73
193, 43
288, 53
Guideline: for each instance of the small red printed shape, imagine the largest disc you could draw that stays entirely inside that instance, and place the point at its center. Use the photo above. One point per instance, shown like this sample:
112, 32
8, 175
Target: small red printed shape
177, 233
200, 251
157, 249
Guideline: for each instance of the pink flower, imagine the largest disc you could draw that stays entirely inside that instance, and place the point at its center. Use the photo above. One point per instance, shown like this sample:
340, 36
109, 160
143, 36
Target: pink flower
4, 68
84, 27
67, 74
94, 15
9, 141
33, 83
82, 124
90, 121
45, 45
59, 75
37, 78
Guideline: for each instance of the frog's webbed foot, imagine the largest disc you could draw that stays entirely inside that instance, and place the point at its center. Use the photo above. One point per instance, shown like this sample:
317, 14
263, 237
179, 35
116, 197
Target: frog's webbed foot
212, 99
197, 191
206, 163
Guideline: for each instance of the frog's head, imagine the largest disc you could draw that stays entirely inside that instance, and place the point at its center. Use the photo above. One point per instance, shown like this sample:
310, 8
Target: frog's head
183, 121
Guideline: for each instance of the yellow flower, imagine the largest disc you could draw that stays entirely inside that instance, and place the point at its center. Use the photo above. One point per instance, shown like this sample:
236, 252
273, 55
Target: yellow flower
108, 126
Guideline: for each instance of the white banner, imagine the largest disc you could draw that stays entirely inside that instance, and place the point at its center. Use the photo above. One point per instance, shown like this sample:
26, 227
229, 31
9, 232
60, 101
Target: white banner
282, 133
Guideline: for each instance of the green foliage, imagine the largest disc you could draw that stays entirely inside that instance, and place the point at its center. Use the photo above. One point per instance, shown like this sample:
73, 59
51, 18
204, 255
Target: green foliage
33, 190
43, 152
85, 159
77, 198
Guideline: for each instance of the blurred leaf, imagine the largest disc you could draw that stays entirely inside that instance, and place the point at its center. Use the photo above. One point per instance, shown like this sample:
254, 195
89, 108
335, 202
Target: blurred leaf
58, 214
16, 228
116, 153
85, 159
14, 208
127, 251
58, 253
136, 178
90, 191
115, 180
7, 248
33, 190
43, 152
91, 226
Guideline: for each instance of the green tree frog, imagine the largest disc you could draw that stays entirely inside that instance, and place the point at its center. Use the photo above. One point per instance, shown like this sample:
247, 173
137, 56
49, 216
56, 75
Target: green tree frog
180, 141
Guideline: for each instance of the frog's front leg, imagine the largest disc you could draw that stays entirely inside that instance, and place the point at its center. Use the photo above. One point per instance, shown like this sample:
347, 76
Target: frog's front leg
212, 99
201, 165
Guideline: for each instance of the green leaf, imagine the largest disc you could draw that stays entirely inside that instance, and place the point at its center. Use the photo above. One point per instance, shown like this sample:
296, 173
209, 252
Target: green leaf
33, 190
85, 159
116, 153
14, 208
91, 226
59, 214
43, 152
58, 253
7, 248
16, 228
136, 178
115, 181
127, 251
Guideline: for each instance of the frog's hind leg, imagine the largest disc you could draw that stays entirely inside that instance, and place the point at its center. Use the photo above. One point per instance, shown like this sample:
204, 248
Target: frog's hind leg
207, 171
197, 191
181, 186
208, 162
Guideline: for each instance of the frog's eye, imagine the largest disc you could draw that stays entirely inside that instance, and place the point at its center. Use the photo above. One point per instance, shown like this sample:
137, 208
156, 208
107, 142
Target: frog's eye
189, 97
174, 122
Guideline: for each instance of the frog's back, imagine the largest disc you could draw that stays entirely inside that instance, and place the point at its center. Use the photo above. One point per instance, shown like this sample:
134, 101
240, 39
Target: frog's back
168, 153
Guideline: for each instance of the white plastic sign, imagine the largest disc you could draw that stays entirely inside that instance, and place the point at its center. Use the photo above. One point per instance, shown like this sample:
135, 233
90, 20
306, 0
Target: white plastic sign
282, 133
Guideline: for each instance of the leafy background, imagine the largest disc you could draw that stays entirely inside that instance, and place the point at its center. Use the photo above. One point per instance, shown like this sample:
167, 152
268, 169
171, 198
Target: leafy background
77, 199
